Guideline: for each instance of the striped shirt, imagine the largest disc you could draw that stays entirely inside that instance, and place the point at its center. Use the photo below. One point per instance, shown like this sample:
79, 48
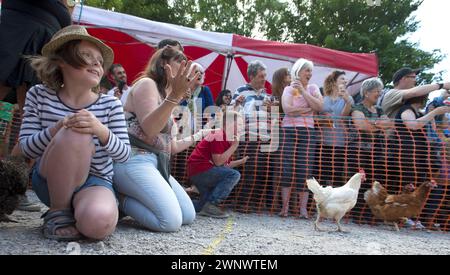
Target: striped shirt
253, 101
43, 109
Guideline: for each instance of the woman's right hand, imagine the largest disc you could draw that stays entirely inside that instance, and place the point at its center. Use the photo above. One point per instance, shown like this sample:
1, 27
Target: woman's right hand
239, 100
182, 82
296, 84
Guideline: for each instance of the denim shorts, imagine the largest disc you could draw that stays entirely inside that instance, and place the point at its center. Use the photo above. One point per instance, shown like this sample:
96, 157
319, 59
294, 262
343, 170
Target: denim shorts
40, 187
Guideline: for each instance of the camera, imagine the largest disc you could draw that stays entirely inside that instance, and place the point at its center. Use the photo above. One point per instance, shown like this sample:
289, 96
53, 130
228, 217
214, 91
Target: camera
120, 85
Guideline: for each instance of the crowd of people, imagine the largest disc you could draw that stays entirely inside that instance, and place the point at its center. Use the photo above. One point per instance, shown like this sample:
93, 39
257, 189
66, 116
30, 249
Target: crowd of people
104, 155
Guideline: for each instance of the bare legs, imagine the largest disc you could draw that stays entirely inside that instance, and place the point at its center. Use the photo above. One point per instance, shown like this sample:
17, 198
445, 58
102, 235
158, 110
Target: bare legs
65, 164
96, 212
302, 202
285, 197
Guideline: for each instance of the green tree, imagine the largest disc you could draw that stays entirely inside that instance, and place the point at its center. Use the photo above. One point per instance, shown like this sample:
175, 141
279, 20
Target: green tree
157, 10
244, 17
105, 4
347, 25
354, 26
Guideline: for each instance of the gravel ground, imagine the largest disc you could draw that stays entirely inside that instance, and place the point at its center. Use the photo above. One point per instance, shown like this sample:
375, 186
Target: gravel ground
241, 234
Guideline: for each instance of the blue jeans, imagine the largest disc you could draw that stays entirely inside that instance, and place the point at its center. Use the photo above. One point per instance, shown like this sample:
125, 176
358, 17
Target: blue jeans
148, 198
215, 184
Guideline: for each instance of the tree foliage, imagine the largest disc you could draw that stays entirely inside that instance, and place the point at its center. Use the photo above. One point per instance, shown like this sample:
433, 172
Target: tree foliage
347, 25
354, 26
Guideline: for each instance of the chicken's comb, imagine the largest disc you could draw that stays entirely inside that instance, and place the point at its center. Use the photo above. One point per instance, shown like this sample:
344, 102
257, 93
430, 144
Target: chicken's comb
361, 171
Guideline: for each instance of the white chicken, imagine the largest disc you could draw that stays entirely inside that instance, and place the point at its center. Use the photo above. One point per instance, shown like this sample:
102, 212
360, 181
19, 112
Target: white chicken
335, 202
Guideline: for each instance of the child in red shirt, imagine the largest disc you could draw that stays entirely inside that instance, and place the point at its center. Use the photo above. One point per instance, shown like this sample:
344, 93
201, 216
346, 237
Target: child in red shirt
210, 167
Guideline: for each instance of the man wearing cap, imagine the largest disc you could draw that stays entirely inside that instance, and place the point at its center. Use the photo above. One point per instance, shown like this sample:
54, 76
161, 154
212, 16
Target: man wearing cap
405, 88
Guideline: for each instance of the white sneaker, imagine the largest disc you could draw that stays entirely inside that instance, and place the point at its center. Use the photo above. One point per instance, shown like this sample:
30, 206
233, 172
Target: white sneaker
419, 226
410, 223
414, 225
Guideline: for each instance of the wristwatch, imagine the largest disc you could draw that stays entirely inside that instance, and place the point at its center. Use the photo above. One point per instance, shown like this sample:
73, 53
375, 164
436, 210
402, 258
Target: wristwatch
72, 3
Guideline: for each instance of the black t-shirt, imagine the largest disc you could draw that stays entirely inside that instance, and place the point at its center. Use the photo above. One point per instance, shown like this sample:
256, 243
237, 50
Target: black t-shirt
411, 139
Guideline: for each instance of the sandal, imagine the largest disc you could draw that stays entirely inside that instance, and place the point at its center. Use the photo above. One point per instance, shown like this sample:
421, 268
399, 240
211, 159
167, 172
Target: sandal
304, 215
56, 219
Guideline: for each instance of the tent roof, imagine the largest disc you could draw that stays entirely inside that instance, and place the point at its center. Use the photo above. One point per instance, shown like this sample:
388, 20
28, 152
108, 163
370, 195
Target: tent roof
363, 63
152, 32
143, 34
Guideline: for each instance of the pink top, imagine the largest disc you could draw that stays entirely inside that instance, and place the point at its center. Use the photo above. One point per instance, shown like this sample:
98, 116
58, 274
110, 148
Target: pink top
298, 101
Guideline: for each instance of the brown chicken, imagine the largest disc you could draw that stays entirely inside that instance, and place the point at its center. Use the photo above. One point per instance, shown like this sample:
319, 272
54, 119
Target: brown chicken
393, 208
13, 183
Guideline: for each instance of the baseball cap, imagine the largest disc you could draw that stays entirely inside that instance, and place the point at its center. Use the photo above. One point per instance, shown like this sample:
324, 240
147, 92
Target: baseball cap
403, 72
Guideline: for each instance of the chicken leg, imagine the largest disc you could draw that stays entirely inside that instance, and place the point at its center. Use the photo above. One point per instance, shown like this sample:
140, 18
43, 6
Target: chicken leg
396, 227
338, 222
316, 223
394, 224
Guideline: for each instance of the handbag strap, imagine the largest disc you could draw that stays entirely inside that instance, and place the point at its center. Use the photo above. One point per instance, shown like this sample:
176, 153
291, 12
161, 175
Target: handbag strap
135, 141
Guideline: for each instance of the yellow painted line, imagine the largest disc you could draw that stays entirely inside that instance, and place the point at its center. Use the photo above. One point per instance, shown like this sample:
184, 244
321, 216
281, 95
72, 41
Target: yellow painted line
216, 242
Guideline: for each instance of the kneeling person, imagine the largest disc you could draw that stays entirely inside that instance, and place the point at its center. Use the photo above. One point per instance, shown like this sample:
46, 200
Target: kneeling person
210, 167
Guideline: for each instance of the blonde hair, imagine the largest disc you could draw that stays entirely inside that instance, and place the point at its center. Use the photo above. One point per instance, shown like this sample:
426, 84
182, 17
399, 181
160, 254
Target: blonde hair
330, 82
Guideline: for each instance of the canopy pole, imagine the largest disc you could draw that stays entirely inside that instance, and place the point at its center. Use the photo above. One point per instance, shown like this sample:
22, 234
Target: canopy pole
353, 79
227, 69
81, 11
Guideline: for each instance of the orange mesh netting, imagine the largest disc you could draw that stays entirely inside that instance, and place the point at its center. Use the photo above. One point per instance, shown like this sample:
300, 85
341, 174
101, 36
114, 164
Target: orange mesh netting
395, 158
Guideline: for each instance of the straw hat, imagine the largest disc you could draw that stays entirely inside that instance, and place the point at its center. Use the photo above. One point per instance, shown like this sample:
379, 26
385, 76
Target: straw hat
77, 32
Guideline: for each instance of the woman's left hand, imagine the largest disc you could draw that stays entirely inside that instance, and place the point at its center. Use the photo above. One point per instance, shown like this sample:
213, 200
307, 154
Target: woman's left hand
85, 122
342, 92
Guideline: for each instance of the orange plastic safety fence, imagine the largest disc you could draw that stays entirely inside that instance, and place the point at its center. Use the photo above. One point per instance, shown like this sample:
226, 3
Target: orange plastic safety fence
332, 153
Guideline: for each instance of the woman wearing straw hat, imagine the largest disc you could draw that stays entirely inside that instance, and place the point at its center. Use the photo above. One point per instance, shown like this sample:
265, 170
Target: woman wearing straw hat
75, 134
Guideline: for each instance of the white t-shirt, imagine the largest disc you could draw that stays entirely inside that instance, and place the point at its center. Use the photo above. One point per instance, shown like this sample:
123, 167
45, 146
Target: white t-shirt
124, 94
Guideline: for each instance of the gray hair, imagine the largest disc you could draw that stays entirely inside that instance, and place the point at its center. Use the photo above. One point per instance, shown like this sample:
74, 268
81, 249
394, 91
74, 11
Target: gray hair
299, 65
370, 84
254, 67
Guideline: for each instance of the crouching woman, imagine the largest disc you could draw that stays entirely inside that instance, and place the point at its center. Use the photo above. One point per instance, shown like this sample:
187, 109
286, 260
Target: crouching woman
75, 134
210, 167
148, 192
